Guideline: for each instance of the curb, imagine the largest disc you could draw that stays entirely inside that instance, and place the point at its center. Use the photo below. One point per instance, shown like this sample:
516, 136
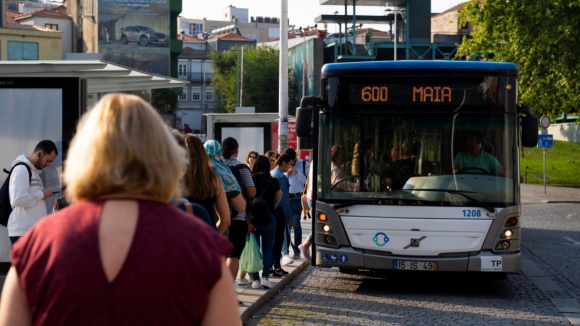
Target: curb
265, 297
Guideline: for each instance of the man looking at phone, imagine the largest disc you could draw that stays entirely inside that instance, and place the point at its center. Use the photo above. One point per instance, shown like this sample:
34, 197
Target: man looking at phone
27, 195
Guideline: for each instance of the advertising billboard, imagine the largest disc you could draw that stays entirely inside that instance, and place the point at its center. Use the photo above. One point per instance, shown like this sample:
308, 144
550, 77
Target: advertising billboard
135, 34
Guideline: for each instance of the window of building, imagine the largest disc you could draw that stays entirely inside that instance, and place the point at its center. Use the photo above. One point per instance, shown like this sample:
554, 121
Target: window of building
22, 50
182, 69
196, 93
183, 95
195, 29
52, 26
209, 94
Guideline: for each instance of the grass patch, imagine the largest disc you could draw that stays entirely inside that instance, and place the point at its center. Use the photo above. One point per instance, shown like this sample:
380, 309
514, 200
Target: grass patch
562, 164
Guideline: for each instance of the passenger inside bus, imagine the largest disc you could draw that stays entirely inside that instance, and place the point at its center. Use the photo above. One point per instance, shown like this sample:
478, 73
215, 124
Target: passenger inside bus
475, 159
402, 169
338, 178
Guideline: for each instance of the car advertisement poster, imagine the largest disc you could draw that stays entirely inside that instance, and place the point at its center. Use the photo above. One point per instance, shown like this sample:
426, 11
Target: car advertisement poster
135, 34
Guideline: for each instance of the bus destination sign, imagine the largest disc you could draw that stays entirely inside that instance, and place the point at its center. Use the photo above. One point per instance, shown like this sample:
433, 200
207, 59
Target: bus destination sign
417, 94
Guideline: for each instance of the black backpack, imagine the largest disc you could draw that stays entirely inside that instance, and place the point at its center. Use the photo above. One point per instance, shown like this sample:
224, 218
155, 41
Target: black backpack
257, 209
5, 207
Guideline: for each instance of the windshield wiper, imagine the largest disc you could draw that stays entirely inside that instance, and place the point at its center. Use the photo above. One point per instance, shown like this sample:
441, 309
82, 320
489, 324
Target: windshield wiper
490, 208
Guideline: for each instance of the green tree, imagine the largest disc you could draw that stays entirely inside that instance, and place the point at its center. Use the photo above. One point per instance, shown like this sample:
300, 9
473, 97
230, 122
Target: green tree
260, 83
541, 37
165, 99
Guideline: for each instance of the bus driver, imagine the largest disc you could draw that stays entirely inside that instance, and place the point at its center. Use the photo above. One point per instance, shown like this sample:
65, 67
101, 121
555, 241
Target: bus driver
474, 158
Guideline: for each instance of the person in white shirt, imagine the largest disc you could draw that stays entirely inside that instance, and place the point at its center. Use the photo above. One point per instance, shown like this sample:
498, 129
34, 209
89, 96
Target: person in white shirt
296, 177
27, 194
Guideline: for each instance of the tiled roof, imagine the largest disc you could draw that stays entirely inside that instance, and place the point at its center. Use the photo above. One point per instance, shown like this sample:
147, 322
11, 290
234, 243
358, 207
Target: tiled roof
190, 39
10, 14
375, 32
455, 8
30, 28
58, 12
233, 37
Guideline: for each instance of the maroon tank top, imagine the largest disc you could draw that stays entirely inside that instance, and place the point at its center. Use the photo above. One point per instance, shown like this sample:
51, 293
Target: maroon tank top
172, 264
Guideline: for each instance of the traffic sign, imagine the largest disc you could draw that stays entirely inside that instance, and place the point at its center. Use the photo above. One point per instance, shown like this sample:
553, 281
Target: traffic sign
545, 121
545, 141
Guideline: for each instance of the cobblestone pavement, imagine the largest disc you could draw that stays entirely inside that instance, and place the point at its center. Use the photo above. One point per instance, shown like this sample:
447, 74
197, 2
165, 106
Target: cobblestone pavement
545, 293
326, 297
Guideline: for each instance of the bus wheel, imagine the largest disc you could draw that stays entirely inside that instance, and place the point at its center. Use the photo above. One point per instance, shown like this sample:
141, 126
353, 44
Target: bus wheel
348, 271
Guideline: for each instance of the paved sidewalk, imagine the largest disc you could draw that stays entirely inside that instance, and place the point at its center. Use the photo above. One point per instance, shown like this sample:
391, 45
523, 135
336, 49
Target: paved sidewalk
534, 194
254, 299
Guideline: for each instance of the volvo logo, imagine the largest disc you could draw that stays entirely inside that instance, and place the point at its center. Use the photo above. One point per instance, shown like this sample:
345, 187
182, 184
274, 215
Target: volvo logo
415, 242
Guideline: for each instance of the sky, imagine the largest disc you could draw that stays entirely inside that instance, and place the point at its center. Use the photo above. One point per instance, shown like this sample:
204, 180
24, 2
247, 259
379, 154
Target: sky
300, 12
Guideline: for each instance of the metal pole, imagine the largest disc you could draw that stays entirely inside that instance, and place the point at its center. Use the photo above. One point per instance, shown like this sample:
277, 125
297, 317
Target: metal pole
544, 150
396, 35
303, 64
237, 79
283, 81
242, 80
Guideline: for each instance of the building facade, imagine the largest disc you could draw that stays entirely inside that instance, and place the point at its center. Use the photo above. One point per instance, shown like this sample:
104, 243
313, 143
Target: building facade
194, 65
28, 42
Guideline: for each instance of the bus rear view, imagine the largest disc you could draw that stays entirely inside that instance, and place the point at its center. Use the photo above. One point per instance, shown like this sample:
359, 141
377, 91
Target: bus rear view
416, 166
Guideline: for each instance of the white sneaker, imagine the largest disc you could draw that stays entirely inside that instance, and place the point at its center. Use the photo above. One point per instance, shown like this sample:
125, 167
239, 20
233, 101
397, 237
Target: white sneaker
265, 283
244, 281
286, 260
256, 285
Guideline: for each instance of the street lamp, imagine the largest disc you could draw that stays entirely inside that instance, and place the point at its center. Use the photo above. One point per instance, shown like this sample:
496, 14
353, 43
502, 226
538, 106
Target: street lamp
396, 12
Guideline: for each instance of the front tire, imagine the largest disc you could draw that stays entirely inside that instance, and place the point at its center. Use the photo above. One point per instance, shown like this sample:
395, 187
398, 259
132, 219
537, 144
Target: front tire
143, 41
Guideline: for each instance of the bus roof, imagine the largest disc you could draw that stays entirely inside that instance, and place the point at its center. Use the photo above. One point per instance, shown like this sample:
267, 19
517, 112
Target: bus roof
418, 64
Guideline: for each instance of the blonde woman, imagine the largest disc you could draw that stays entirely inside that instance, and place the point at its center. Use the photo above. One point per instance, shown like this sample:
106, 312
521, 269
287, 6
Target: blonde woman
121, 254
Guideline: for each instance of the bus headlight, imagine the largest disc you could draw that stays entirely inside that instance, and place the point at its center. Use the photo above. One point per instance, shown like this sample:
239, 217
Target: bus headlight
507, 233
328, 239
326, 228
505, 245
322, 217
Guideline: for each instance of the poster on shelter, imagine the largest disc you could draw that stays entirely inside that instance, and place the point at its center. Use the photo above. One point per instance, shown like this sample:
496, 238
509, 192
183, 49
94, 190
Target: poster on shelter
135, 34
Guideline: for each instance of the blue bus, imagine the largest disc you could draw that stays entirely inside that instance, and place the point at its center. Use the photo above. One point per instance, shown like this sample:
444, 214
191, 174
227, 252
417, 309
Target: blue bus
416, 166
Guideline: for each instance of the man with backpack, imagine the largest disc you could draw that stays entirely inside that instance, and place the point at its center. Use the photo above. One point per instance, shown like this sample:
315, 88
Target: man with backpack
26, 193
240, 225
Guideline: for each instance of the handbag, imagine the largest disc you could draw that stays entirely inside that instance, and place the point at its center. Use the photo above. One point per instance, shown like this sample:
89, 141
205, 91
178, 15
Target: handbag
251, 258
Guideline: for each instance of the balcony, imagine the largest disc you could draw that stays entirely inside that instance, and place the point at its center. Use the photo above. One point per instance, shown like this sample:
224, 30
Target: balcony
195, 54
198, 77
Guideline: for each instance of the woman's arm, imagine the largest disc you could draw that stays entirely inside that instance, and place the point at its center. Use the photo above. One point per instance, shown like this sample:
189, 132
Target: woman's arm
222, 209
222, 306
277, 196
13, 306
238, 203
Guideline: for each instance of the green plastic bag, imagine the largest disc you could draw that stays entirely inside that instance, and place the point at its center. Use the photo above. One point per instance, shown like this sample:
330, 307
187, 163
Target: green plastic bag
251, 258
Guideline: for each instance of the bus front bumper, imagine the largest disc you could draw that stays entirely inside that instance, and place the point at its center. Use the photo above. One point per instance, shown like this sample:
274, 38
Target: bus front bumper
484, 261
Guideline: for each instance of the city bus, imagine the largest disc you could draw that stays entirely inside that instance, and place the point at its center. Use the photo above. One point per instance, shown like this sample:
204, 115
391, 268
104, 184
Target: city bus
388, 191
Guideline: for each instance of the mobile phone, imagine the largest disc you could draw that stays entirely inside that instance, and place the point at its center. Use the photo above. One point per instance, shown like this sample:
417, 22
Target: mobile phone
55, 192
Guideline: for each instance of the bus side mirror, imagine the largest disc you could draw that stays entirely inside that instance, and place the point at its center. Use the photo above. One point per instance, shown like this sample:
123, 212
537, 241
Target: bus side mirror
304, 117
304, 122
529, 131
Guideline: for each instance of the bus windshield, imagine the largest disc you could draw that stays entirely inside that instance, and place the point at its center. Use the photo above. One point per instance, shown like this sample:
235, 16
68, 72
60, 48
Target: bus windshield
383, 145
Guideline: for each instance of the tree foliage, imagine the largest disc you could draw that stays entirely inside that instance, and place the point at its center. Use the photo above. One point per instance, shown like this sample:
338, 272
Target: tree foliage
541, 37
164, 100
260, 78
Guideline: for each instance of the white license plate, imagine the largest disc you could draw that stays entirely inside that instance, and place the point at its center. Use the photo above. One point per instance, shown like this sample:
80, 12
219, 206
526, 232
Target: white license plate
414, 265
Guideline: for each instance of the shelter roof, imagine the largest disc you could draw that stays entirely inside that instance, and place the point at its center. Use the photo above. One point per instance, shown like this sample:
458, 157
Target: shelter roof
101, 76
